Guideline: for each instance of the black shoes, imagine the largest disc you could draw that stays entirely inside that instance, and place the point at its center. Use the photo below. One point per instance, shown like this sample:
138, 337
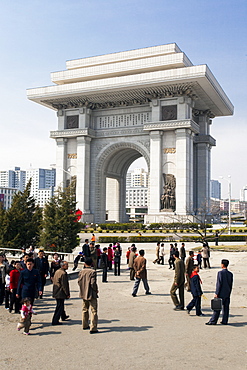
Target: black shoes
57, 323
178, 308
134, 295
86, 328
148, 293
66, 318
210, 323
93, 332
223, 323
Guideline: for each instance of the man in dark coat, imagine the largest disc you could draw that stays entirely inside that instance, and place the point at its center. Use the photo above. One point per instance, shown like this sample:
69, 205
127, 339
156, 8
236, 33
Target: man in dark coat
104, 264
223, 290
182, 252
60, 293
85, 249
29, 282
42, 265
178, 283
196, 291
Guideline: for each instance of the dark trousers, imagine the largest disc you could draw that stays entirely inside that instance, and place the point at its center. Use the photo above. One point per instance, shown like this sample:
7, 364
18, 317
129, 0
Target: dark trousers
2, 292
59, 311
206, 263
116, 268
196, 302
225, 312
162, 260
43, 280
171, 262
14, 301
137, 283
110, 265
7, 298
104, 275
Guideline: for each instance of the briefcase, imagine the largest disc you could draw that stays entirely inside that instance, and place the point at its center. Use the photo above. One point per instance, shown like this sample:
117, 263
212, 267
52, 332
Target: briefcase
216, 304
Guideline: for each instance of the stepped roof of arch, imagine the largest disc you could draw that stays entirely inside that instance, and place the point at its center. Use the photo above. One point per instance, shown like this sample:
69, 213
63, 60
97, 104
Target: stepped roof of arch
133, 77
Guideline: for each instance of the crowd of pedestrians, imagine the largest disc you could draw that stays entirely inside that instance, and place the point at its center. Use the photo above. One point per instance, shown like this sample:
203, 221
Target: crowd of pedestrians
22, 281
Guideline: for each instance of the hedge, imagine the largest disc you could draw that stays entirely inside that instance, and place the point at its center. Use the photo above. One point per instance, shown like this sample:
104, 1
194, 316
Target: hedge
134, 239
222, 238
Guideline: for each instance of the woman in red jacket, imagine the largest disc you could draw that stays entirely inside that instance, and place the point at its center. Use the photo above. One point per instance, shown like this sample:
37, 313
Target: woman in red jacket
14, 277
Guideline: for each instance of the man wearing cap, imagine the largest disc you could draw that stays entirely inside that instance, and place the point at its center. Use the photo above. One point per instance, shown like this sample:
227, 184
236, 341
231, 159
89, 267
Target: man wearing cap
223, 291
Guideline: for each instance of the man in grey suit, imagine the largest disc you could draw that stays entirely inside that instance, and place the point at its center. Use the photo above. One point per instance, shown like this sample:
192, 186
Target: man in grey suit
223, 291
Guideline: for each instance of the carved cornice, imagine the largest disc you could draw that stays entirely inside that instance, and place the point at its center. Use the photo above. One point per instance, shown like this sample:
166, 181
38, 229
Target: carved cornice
130, 97
205, 139
171, 125
71, 133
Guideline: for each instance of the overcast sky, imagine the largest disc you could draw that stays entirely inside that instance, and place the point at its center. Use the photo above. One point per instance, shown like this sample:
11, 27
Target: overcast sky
37, 37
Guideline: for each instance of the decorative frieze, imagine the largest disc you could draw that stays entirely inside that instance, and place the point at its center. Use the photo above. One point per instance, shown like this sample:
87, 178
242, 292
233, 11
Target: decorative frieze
72, 156
122, 120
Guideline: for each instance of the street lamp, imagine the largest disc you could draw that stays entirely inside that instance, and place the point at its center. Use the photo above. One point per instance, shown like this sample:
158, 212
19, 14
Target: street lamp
228, 179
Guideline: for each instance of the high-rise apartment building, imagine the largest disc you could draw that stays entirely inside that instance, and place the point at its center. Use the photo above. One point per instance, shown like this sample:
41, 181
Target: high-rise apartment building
215, 189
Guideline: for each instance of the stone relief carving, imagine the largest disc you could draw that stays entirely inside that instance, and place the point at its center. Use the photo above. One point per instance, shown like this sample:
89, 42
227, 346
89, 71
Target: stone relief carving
168, 198
169, 112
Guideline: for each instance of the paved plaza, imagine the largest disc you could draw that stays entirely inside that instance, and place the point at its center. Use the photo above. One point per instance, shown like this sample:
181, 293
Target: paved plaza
142, 332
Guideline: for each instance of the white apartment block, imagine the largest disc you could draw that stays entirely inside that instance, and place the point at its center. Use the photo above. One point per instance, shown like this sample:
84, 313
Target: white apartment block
6, 196
42, 185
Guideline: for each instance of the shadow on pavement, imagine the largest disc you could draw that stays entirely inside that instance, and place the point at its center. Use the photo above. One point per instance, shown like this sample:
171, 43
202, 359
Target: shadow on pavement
121, 329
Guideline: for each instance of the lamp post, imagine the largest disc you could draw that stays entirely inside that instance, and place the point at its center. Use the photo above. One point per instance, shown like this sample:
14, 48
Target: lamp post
228, 179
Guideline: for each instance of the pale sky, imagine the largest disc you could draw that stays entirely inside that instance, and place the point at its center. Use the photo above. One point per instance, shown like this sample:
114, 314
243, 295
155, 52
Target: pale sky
37, 37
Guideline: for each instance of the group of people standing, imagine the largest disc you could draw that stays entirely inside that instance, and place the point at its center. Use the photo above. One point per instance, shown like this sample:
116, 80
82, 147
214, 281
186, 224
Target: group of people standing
25, 279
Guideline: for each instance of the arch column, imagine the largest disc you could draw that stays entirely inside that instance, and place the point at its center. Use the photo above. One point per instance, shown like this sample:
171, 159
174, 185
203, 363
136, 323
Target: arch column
61, 162
83, 177
155, 175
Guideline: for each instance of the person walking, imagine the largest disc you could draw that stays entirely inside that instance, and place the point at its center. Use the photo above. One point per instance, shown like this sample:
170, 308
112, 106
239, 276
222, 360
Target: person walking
178, 283
29, 282
42, 265
117, 261
14, 278
55, 265
157, 253
85, 249
189, 266
104, 264
223, 291
196, 291
182, 252
3, 273
171, 258
110, 256
140, 273
60, 293
162, 253
205, 256
87, 282
132, 257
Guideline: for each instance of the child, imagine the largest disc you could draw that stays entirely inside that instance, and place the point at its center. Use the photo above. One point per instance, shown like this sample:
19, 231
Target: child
199, 259
26, 315
196, 291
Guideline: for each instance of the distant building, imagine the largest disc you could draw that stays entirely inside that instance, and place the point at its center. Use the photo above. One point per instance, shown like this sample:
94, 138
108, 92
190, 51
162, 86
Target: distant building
137, 193
215, 189
42, 185
243, 194
6, 196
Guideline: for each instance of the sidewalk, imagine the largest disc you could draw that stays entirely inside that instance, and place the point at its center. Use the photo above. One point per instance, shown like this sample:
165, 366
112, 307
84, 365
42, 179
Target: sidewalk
142, 332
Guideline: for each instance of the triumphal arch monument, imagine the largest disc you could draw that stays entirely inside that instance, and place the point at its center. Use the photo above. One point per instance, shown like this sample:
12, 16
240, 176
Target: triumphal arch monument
112, 109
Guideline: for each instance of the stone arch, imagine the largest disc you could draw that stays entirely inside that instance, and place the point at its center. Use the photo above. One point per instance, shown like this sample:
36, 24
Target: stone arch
114, 161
